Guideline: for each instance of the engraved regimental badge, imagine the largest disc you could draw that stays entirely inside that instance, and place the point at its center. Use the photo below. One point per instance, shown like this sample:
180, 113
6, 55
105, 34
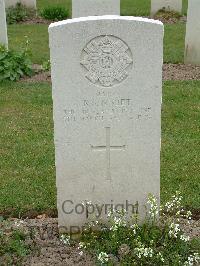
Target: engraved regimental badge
106, 60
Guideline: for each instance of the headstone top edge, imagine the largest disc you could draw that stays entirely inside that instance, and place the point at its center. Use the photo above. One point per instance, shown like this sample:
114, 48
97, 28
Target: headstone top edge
106, 17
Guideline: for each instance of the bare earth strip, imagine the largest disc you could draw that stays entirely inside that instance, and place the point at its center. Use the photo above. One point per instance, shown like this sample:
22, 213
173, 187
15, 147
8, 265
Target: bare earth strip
49, 250
170, 72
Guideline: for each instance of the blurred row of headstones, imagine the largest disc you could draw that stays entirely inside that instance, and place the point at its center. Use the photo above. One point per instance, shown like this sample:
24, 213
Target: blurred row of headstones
83, 8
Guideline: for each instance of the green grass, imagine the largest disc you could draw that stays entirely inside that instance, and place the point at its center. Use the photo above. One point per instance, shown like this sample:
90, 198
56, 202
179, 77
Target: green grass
27, 175
174, 43
180, 141
128, 7
38, 37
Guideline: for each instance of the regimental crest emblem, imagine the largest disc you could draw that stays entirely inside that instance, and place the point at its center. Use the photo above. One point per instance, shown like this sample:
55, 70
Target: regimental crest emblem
106, 60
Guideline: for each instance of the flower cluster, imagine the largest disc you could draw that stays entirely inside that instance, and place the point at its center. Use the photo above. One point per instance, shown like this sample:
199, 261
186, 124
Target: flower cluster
184, 238
175, 203
134, 228
103, 257
154, 210
192, 260
127, 241
65, 239
117, 219
142, 251
174, 230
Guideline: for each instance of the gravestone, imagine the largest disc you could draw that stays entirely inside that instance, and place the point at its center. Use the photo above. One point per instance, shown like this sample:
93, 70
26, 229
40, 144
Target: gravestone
85, 8
107, 85
27, 3
168, 5
3, 26
192, 39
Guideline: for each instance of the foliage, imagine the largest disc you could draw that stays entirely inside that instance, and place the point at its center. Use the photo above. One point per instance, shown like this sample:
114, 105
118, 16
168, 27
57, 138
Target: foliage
13, 247
18, 13
153, 242
54, 13
46, 65
14, 65
38, 40
163, 13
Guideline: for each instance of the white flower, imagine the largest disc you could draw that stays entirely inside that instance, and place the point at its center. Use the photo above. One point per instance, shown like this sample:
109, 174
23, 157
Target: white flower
184, 238
103, 257
192, 259
146, 252
134, 227
81, 253
81, 245
161, 257
65, 239
174, 229
154, 210
175, 203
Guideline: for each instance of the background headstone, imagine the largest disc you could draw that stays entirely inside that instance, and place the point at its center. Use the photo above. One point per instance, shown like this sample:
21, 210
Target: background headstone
3, 26
84, 8
192, 39
169, 5
27, 3
107, 85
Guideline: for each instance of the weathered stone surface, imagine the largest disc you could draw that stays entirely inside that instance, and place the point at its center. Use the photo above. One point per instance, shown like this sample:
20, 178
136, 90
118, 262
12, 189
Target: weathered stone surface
85, 8
192, 39
3, 26
169, 5
107, 85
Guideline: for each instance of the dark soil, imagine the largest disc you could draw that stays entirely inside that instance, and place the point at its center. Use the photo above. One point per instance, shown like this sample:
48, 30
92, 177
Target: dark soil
171, 20
181, 72
35, 20
163, 19
170, 72
47, 249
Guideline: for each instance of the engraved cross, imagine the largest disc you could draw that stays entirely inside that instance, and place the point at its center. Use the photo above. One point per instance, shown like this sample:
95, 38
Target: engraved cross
108, 149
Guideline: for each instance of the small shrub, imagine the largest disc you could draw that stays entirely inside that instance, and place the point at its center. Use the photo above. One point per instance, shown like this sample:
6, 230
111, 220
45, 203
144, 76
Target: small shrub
155, 242
13, 247
54, 13
46, 65
18, 13
167, 15
14, 65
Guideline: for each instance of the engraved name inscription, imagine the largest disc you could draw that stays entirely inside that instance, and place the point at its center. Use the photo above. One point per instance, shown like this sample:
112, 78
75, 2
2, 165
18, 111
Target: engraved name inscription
103, 108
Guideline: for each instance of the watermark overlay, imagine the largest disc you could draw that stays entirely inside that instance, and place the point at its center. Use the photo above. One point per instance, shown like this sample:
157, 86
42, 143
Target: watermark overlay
87, 208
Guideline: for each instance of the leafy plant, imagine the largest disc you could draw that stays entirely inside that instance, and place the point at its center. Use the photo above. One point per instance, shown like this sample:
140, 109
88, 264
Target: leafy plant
153, 242
14, 65
54, 13
166, 14
46, 65
18, 13
13, 247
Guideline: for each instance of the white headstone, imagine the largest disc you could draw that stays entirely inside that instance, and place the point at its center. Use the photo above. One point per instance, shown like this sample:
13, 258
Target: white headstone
192, 40
85, 8
27, 3
3, 26
107, 85
168, 5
